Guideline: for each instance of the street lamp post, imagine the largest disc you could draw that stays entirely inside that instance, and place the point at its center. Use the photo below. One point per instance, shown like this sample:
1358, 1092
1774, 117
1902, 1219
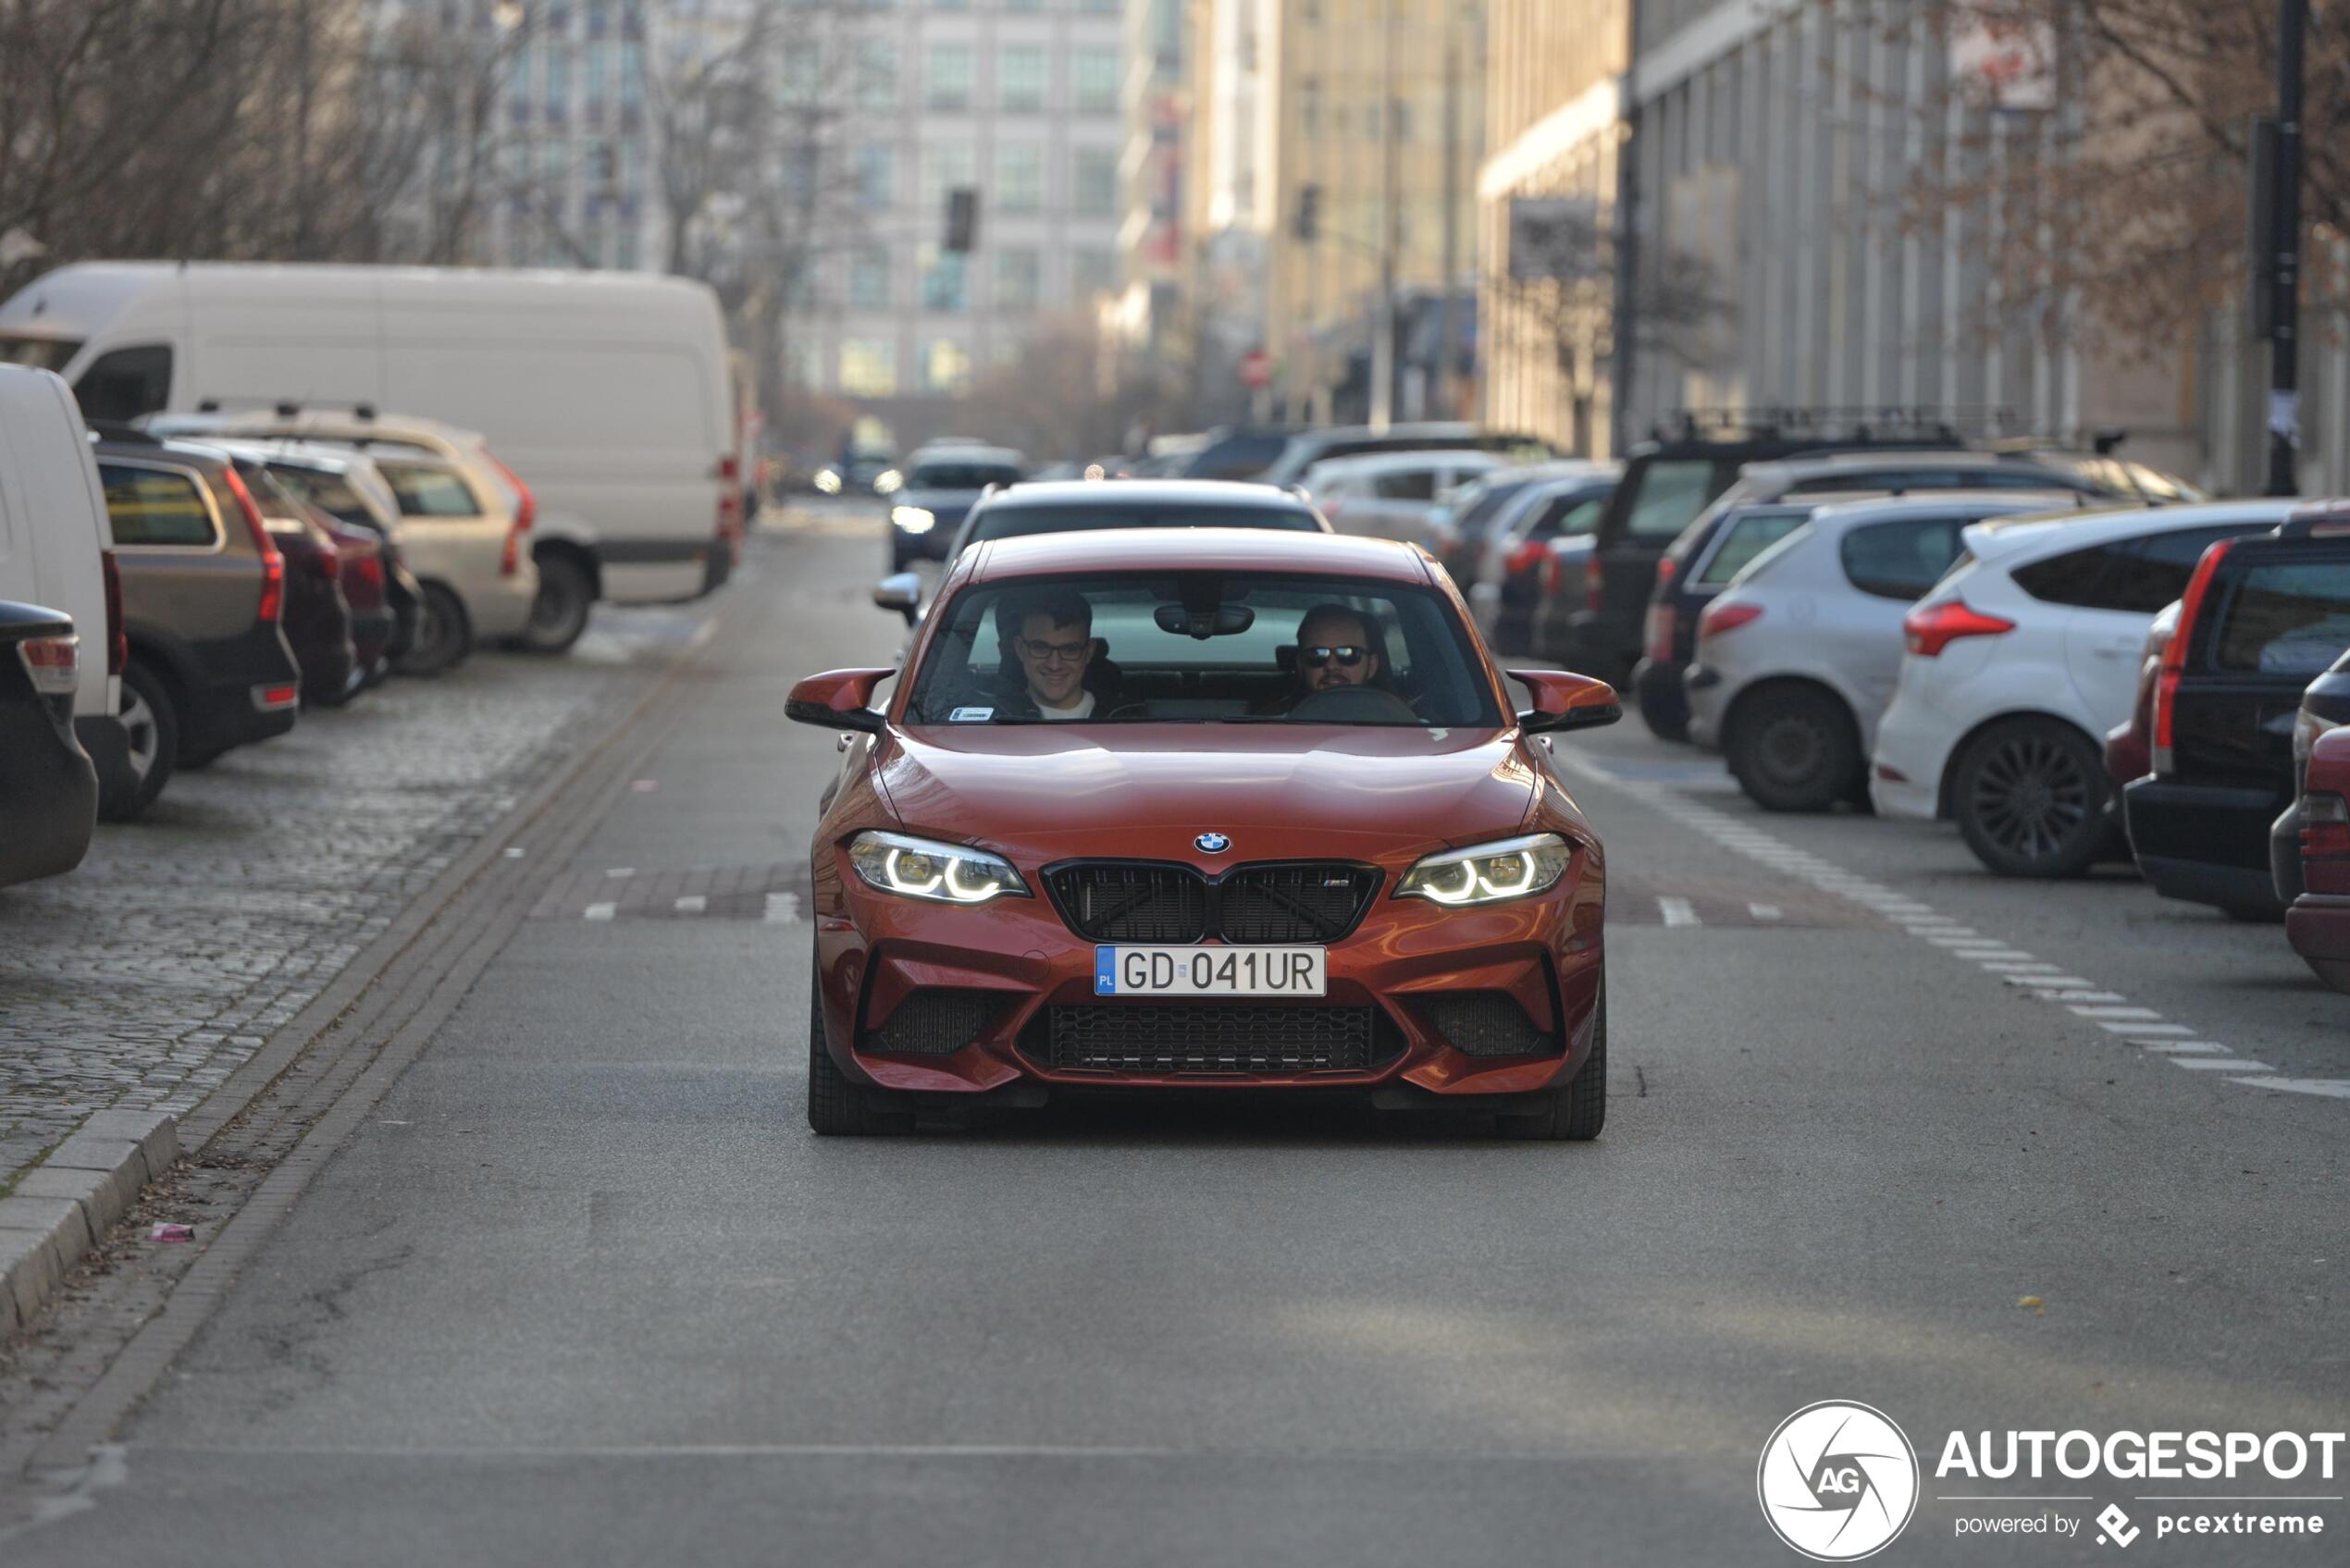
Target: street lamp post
1384, 329
2283, 261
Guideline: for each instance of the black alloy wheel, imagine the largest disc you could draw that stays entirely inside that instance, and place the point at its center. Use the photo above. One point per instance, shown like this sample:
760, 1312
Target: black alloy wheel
444, 637
558, 615
2029, 794
1795, 748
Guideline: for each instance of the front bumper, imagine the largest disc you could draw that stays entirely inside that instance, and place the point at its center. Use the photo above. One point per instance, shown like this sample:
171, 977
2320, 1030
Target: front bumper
2319, 927
876, 954
1709, 699
48, 792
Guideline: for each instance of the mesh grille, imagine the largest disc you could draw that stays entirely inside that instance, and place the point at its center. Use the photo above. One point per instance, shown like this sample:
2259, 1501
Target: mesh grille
1106, 902
1145, 902
1211, 1037
1305, 903
1488, 1023
934, 1023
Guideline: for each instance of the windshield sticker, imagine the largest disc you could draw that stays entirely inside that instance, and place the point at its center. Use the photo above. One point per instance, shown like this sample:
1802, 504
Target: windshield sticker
970, 715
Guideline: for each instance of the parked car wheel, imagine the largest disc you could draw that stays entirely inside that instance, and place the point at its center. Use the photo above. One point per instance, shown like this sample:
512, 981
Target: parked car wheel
444, 636
151, 727
559, 614
1667, 719
2029, 795
1576, 1113
837, 1109
1794, 748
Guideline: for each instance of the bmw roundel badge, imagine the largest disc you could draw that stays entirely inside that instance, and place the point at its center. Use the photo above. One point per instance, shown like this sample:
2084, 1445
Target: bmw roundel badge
1212, 843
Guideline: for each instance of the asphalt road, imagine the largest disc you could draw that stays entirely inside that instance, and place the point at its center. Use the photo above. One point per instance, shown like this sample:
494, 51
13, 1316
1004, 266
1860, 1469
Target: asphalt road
584, 1288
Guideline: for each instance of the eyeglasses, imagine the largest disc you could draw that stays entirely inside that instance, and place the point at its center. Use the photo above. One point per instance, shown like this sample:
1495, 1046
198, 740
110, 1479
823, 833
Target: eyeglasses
1050, 652
1348, 656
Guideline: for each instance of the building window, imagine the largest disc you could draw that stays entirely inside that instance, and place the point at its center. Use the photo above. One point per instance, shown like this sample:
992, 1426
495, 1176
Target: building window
948, 366
1020, 277
876, 174
632, 74
1019, 77
946, 165
869, 367
1093, 270
868, 277
947, 80
946, 279
876, 75
1094, 182
1019, 178
1093, 81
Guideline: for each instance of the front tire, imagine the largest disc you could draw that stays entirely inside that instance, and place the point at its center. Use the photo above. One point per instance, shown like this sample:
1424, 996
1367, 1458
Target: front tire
558, 615
2029, 795
444, 634
1577, 1113
837, 1109
1795, 748
151, 727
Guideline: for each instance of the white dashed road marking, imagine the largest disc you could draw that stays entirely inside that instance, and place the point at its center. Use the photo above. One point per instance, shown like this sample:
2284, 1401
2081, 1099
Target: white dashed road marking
602, 911
692, 904
2109, 1010
1764, 911
783, 908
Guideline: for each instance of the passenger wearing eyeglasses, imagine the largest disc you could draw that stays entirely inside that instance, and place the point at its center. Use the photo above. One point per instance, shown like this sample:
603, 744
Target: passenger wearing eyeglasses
1052, 639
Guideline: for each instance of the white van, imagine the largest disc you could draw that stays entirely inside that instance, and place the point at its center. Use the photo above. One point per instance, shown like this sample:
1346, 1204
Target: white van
607, 392
54, 537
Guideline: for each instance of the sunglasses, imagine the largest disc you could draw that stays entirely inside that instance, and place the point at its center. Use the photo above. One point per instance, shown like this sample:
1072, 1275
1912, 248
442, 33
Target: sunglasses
1046, 652
1347, 656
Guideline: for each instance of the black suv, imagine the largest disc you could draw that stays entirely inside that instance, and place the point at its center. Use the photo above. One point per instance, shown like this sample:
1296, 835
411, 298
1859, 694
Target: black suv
2263, 617
203, 598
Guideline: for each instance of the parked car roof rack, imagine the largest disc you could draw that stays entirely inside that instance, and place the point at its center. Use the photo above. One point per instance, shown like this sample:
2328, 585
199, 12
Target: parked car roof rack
1852, 422
2328, 519
287, 408
115, 430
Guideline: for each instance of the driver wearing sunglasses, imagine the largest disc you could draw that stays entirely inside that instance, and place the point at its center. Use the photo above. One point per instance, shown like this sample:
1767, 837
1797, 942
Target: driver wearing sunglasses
1334, 649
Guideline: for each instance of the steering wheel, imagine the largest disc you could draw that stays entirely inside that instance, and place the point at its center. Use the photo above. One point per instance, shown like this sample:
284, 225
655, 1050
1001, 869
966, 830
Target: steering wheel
1344, 705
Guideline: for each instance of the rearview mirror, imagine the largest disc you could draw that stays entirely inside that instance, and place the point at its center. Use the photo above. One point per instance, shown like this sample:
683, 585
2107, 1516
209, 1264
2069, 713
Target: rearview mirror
1566, 702
900, 591
838, 699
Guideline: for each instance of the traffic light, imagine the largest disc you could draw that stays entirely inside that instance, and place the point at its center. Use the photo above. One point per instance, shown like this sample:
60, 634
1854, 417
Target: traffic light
1308, 225
962, 219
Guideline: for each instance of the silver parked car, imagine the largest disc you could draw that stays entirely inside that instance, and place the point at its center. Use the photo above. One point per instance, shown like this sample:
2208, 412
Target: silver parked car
1797, 659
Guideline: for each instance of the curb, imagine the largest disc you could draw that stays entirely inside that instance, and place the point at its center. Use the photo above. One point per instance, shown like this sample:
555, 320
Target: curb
64, 1205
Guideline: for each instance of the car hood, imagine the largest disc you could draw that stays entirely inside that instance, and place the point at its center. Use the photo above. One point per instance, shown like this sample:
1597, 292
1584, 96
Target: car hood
1146, 790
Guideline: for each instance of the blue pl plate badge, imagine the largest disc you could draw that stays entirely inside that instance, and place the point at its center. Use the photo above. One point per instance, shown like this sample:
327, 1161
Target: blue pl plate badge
1105, 971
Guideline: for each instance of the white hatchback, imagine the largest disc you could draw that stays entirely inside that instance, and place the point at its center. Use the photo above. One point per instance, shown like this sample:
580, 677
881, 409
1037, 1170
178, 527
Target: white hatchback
2020, 660
1393, 495
1797, 659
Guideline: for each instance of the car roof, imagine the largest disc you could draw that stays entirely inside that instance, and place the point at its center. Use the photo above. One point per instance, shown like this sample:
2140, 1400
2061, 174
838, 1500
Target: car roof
326, 424
109, 444
2043, 505
1408, 456
1829, 465
1122, 492
2012, 538
299, 454
1193, 549
958, 451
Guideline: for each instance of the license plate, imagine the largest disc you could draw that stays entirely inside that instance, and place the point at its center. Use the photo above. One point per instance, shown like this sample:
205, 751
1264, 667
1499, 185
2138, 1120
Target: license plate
1209, 971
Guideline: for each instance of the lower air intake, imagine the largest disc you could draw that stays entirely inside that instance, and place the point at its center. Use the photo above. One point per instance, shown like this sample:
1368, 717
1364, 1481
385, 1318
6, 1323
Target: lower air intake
1163, 1037
934, 1023
1486, 1023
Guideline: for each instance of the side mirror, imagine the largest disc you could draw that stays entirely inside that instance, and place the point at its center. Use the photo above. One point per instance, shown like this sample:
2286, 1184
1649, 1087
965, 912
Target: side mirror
1565, 701
838, 699
900, 591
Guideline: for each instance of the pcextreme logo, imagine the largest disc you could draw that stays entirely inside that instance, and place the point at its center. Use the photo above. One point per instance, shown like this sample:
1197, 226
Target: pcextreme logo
1837, 1481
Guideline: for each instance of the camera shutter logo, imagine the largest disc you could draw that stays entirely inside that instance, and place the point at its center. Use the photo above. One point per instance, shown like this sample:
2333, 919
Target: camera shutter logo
1837, 1481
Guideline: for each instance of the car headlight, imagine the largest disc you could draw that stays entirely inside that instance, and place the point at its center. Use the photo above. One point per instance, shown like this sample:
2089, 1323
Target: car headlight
887, 481
828, 481
944, 873
1489, 874
914, 519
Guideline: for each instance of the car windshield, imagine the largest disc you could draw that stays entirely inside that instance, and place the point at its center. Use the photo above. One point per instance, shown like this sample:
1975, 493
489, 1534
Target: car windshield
41, 353
427, 489
962, 476
1671, 493
1202, 648
1017, 522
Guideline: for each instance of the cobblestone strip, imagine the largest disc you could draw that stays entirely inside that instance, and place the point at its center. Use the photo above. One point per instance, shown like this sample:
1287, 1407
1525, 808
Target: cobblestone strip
143, 979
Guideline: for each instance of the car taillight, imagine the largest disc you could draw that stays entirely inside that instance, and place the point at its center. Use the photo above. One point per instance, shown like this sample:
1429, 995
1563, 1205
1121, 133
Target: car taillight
326, 562
118, 638
1719, 618
2174, 657
1525, 558
1593, 584
1555, 575
53, 664
369, 570
1930, 629
2325, 843
273, 562
1656, 631
525, 514
730, 500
